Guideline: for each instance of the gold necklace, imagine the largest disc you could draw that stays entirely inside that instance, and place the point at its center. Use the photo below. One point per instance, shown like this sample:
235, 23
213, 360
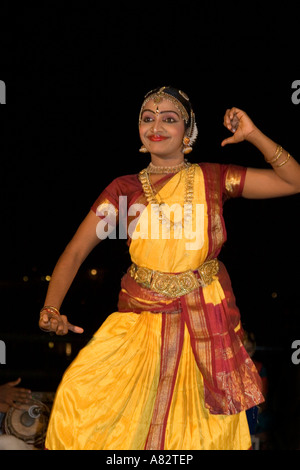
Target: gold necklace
158, 206
159, 170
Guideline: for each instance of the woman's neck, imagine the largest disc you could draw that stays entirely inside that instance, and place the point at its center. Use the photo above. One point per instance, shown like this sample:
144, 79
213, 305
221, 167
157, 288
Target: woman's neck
167, 161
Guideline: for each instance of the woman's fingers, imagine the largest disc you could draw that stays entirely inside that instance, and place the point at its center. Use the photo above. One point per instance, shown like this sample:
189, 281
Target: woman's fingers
57, 324
232, 119
75, 329
64, 326
234, 123
44, 322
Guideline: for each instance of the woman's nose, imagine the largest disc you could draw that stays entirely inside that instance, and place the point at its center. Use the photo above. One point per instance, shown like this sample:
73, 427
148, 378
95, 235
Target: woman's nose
156, 125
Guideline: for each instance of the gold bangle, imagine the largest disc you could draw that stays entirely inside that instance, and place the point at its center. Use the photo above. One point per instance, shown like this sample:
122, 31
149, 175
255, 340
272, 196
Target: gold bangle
277, 155
49, 308
283, 163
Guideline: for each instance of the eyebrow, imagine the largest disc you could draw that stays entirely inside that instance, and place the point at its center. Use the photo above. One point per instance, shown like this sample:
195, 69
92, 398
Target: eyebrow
161, 112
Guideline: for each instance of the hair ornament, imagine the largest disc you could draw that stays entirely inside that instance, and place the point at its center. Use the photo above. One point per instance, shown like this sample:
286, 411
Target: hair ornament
193, 129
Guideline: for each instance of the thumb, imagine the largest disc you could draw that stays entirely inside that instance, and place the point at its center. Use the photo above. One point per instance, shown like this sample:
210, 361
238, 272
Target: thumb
14, 383
229, 140
45, 317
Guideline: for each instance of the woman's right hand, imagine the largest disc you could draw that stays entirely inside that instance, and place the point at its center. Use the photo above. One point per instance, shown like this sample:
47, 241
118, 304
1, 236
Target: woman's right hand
239, 123
54, 323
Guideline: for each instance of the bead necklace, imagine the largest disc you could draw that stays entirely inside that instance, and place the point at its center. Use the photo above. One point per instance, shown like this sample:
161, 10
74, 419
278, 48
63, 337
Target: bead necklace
159, 170
158, 206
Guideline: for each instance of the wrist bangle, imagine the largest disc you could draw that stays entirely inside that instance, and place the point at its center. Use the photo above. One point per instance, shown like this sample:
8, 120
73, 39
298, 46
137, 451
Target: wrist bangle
50, 309
283, 163
277, 155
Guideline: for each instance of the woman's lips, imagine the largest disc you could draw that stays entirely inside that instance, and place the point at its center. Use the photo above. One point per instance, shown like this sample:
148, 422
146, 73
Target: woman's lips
157, 138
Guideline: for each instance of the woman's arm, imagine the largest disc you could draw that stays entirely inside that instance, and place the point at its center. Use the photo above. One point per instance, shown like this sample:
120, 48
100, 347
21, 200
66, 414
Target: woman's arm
83, 242
284, 177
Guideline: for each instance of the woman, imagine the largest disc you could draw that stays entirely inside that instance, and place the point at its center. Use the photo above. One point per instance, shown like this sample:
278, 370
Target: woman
168, 370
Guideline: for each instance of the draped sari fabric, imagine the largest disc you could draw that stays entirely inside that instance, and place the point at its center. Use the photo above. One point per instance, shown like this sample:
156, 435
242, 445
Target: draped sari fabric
161, 372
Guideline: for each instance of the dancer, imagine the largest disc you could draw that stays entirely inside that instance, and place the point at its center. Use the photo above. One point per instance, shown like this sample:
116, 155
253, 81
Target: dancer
168, 370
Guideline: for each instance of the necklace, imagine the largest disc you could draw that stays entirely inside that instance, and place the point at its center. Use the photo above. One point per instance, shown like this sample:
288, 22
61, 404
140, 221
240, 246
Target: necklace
154, 169
158, 206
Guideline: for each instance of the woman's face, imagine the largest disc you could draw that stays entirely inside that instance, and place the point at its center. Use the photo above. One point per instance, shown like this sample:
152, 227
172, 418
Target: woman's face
162, 129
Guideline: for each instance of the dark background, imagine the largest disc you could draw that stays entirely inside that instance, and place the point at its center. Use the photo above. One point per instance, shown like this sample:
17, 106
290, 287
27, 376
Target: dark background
75, 78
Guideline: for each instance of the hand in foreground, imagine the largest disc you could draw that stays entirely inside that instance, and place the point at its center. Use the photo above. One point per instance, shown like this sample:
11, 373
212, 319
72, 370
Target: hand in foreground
239, 123
10, 395
52, 323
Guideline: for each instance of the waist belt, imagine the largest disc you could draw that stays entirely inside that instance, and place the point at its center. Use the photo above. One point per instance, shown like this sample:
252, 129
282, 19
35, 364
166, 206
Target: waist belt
175, 285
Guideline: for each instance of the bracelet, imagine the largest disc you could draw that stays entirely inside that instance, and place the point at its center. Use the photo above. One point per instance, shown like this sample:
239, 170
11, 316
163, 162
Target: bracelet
283, 163
277, 155
50, 309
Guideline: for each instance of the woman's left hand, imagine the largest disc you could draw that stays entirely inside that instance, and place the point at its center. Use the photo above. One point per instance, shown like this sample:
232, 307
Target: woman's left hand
239, 123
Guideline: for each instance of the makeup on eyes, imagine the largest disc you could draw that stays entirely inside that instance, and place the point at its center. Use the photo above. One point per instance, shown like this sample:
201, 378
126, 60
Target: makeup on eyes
168, 116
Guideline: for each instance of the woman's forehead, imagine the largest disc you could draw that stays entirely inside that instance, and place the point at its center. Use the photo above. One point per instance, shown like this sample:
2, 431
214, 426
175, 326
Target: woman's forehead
163, 105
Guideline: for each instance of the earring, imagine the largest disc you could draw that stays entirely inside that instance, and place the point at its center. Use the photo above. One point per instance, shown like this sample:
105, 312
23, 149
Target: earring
186, 147
143, 149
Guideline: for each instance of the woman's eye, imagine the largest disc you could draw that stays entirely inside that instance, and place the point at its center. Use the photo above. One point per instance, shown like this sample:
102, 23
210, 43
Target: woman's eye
169, 120
166, 119
147, 119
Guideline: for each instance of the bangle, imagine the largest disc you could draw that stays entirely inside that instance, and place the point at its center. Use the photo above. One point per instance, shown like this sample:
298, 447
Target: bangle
283, 163
277, 155
50, 309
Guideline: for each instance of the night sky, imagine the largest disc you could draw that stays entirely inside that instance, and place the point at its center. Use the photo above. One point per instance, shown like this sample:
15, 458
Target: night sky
75, 79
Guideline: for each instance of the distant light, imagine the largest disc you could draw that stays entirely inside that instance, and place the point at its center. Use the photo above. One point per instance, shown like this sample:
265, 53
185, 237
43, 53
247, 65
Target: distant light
25, 278
51, 344
48, 278
274, 295
95, 274
68, 349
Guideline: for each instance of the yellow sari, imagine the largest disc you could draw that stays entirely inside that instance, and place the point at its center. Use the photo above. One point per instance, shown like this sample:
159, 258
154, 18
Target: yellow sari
119, 394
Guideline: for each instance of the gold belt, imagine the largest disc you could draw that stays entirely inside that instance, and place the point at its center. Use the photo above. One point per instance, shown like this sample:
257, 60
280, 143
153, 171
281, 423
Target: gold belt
175, 285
